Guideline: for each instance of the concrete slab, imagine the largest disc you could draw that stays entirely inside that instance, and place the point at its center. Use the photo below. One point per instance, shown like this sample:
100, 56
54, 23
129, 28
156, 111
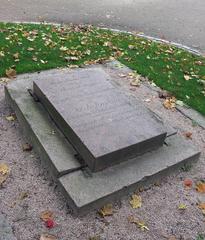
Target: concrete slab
47, 140
6, 232
103, 125
86, 192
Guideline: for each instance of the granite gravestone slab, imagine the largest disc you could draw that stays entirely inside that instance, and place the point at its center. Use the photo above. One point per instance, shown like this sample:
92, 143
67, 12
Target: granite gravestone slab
102, 124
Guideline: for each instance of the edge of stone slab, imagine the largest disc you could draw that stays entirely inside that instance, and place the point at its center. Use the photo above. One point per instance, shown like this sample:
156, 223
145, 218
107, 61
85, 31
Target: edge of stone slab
37, 141
109, 186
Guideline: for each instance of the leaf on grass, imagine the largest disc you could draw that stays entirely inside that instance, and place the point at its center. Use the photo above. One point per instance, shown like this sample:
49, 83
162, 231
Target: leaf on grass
27, 147
182, 206
139, 223
46, 215
4, 172
11, 117
47, 237
136, 201
188, 183
107, 210
187, 77
16, 55
200, 187
11, 73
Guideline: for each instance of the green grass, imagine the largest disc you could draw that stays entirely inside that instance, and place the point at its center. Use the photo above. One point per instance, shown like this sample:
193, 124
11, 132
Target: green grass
163, 64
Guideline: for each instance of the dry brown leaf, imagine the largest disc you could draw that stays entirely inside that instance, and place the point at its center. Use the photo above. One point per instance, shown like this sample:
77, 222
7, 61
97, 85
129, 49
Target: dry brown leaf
46, 215
107, 210
136, 201
4, 172
200, 187
11, 73
27, 147
47, 237
170, 103
188, 135
202, 207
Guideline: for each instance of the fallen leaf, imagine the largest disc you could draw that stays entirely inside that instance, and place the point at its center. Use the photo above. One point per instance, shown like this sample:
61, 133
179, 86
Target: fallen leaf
4, 172
182, 206
136, 201
47, 237
11, 117
170, 103
180, 103
188, 183
46, 215
11, 73
16, 55
200, 187
139, 223
188, 135
27, 147
202, 207
49, 223
187, 77
107, 210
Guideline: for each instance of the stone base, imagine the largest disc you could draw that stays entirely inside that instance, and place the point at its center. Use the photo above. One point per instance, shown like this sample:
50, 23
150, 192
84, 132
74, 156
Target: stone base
85, 191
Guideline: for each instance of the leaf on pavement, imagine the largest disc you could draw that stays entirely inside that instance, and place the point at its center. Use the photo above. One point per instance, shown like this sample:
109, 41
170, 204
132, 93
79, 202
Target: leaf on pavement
11, 73
170, 103
139, 223
4, 172
46, 215
188, 183
202, 207
27, 147
188, 135
200, 187
47, 237
107, 210
11, 117
136, 201
182, 206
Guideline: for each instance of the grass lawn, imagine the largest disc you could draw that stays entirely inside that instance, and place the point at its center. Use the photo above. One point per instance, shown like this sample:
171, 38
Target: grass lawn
30, 47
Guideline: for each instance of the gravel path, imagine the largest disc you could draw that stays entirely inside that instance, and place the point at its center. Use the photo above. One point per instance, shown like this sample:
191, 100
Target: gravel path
160, 202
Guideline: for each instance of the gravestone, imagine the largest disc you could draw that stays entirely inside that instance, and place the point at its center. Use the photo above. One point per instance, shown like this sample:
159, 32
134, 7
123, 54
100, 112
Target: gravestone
103, 125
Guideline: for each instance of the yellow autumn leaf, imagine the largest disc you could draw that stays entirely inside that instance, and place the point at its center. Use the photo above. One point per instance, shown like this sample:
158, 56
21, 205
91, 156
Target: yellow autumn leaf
47, 237
139, 223
107, 210
170, 103
11, 117
200, 187
136, 201
182, 206
46, 215
4, 172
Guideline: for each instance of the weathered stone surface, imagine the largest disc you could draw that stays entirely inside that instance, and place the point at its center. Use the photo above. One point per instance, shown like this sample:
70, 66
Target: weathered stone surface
86, 192
48, 142
99, 120
6, 232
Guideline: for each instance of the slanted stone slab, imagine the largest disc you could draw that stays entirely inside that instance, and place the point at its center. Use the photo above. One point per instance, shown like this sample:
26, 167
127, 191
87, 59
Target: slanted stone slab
50, 144
86, 192
99, 121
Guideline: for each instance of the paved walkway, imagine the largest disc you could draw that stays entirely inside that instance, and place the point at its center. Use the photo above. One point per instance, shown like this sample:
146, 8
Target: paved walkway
180, 21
